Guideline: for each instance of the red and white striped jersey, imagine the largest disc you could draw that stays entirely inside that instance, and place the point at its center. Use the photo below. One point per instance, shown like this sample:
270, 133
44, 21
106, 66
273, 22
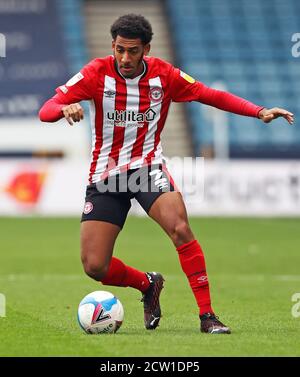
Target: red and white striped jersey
127, 115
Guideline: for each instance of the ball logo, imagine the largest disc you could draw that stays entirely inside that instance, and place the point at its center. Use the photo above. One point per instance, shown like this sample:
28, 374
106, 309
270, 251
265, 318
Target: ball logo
100, 315
100, 312
88, 207
156, 94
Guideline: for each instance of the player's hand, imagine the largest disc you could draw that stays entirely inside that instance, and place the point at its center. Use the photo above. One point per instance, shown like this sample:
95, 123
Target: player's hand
73, 112
267, 115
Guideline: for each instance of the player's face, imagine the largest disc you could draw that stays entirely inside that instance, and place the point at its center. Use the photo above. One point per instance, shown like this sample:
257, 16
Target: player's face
129, 55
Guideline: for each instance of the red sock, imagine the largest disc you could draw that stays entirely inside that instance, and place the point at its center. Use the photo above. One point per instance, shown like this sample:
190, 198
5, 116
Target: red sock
193, 265
121, 275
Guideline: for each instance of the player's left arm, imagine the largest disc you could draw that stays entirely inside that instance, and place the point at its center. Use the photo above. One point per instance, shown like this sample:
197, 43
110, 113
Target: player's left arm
267, 115
184, 88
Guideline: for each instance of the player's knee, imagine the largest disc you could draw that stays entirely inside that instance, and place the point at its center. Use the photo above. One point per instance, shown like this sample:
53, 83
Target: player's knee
181, 233
95, 269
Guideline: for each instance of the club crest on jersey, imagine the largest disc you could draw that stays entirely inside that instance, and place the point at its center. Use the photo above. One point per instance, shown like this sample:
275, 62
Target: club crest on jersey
156, 94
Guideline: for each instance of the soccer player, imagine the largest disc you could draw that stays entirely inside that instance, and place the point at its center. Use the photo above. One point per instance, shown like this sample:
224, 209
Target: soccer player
130, 94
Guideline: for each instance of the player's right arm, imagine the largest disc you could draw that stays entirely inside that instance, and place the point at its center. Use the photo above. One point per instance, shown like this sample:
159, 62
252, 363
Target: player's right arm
65, 104
53, 110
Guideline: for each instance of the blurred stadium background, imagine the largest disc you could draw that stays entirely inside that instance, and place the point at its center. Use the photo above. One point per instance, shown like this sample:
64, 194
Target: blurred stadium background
250, 169
244, 47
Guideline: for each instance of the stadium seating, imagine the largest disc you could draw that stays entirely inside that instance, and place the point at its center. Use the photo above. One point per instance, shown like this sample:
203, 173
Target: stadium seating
73, 27
247, 47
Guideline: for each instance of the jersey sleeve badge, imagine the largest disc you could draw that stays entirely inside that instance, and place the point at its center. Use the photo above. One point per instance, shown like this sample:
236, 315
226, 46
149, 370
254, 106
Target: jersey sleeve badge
188, 78
73, 80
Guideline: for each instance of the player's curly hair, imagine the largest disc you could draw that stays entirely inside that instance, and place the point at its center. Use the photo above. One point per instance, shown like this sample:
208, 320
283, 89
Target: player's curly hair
132, 26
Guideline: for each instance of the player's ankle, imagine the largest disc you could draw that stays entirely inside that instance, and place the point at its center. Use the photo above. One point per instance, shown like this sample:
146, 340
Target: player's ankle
206, 309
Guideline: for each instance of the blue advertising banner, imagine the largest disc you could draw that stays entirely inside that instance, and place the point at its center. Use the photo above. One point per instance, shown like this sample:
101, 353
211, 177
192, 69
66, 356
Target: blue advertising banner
32, 60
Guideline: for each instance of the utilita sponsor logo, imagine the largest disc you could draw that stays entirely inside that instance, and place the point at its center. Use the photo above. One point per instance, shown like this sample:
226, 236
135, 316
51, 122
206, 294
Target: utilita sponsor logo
127, 118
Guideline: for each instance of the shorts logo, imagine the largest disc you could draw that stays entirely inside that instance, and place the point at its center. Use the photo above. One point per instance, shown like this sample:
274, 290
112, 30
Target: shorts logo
88, 207
156, 94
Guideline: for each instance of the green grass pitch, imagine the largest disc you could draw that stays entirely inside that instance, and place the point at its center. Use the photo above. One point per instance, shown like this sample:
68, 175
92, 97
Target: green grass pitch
253, 267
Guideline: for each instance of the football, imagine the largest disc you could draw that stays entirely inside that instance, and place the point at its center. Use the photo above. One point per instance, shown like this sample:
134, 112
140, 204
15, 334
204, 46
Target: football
100, 312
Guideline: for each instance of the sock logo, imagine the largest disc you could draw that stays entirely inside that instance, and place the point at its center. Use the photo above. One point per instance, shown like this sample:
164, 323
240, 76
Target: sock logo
202, 281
